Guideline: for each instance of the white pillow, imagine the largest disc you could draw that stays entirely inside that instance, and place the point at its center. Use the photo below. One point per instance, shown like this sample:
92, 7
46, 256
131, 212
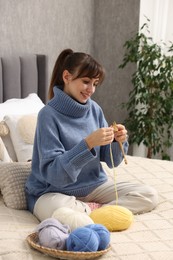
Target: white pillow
22, 132
4, 156
18, 106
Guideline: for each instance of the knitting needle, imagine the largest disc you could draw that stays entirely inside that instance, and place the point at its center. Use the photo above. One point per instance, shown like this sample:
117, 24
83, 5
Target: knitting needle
120, 143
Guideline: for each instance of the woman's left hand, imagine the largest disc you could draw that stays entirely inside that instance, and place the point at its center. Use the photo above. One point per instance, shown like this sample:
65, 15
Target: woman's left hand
121, 134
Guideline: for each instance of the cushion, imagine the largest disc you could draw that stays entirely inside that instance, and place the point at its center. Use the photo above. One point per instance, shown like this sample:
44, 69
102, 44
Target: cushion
31, 104
18, 106
9, 146
22, 131
12, 183
4, 156
4, 130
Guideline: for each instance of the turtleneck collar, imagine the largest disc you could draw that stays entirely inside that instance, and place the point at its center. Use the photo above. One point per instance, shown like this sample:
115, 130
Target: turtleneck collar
66, 105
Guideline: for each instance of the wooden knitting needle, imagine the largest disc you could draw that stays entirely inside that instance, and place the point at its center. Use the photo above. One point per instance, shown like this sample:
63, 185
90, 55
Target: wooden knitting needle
120, 144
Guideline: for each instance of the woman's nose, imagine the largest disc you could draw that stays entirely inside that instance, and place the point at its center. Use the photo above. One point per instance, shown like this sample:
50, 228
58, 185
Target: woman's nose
91, 88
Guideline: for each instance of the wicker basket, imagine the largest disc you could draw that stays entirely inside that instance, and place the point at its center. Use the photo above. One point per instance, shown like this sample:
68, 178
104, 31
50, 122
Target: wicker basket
32, 240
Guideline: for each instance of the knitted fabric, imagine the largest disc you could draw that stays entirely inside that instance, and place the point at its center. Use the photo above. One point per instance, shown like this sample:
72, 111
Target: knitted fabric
61, 159
94, 205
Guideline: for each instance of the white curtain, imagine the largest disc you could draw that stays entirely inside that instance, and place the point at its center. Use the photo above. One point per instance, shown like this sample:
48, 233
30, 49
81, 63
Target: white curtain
160, 13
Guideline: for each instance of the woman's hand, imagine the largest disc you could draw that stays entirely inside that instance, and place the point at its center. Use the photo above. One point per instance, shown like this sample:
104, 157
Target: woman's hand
101, 136
121, 134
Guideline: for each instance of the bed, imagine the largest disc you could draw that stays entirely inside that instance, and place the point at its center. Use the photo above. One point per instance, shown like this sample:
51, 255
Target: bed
23, 88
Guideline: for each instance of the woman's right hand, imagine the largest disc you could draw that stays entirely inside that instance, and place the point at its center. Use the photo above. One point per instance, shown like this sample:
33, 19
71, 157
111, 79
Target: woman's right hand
100, 137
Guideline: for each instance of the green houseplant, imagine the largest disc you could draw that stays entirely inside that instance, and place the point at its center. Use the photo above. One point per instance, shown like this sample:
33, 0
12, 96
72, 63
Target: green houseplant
150, 104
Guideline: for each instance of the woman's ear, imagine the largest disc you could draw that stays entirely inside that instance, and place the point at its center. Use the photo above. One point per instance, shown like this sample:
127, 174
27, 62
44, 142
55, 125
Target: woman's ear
66, 76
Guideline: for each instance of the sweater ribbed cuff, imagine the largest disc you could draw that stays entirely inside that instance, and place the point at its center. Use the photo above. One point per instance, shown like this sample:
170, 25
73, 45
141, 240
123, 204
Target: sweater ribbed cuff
76, 158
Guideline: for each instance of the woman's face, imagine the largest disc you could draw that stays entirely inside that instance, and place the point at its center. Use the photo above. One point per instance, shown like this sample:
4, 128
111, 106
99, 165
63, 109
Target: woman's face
80, 89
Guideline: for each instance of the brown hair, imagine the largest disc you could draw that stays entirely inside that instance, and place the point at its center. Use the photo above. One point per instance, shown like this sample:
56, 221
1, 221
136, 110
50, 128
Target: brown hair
78, 64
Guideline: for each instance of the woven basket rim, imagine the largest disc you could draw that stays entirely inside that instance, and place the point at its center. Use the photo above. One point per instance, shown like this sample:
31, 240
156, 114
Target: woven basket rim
32, 240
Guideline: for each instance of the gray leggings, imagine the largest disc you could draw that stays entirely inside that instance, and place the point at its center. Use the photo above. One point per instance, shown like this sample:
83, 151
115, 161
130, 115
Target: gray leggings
138, 198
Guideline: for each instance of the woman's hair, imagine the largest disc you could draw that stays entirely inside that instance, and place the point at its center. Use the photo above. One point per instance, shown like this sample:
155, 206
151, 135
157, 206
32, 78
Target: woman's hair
79, 64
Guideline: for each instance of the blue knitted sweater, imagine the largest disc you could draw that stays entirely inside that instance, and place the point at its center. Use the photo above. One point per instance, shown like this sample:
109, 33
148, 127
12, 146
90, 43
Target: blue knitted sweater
61, 160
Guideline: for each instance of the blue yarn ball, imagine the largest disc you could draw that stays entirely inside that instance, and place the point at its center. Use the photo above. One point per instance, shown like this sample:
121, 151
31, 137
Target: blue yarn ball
103, 233
83, 239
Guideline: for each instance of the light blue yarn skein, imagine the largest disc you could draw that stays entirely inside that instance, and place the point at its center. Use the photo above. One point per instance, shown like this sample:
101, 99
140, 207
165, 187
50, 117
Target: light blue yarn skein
83, 239
103, 233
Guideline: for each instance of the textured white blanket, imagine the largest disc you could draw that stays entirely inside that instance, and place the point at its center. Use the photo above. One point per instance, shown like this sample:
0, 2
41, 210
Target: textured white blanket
149, 237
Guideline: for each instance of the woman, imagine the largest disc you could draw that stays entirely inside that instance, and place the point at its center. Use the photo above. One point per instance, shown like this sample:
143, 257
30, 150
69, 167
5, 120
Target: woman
71, 139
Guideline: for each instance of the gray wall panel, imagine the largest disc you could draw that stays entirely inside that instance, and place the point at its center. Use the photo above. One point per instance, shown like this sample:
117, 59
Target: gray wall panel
46, 27
115, 20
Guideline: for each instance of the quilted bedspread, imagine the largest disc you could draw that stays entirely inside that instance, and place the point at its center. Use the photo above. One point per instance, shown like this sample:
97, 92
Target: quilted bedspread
149, 237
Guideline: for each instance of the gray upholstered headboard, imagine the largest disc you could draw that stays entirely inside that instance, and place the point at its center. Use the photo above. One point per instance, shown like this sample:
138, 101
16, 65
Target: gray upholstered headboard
20, 76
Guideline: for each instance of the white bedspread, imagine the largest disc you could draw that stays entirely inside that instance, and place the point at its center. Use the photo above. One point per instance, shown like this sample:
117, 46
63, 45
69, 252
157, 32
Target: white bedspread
149, 237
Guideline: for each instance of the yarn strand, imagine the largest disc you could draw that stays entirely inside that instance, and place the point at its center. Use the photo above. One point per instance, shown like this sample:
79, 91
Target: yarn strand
112, 162
120, 144
114, 171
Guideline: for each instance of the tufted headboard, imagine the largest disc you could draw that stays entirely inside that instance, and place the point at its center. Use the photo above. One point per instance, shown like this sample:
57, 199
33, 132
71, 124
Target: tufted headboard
22, 75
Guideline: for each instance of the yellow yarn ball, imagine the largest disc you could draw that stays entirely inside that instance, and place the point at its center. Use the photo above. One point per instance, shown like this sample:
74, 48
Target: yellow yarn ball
113, 217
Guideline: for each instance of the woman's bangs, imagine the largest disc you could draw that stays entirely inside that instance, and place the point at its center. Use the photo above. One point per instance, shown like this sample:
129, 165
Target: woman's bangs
92, 70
